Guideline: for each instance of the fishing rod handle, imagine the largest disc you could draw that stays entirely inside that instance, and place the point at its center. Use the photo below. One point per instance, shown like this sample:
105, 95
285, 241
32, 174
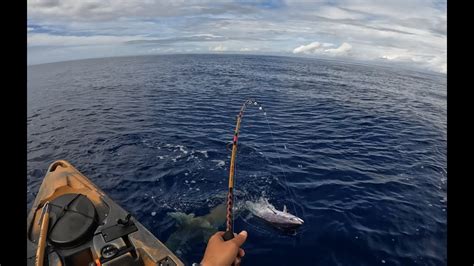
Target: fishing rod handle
228, 235
229, 214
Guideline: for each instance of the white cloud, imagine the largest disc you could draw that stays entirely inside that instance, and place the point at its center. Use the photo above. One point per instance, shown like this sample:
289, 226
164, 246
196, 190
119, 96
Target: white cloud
345, 48
247, 49
218, 48
100, 10
44, 39
333, 12
323, 48
437, 63
309, 48
411, 31
369, 51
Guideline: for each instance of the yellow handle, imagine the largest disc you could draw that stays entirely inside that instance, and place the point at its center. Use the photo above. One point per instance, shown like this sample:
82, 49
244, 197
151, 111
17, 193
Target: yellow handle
42, 237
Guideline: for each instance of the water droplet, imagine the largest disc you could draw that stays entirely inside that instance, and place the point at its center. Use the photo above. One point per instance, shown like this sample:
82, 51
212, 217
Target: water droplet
383, 261
186, 174
153, 213
193, 182
260, 108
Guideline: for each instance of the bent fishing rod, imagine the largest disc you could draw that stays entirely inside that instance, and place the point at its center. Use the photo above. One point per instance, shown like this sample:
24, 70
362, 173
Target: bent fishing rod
229, 233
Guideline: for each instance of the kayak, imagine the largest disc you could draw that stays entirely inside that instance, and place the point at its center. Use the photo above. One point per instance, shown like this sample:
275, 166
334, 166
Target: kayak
73, 222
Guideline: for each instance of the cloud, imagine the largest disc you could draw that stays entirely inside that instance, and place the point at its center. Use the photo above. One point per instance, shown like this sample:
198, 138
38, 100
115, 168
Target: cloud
337, 13
45, 39
410, 31
379, 53
437, 63
99, 10
218, 48
194, 38
310, 48
323, 48
345, 48
247, 49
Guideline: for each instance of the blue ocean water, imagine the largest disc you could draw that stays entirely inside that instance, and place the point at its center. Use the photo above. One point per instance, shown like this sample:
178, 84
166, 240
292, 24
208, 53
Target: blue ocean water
358, 151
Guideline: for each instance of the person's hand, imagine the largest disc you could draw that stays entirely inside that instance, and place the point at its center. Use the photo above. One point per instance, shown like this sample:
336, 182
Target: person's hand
224, 253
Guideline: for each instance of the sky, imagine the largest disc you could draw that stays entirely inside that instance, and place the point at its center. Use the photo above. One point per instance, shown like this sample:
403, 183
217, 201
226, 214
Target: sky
398, 32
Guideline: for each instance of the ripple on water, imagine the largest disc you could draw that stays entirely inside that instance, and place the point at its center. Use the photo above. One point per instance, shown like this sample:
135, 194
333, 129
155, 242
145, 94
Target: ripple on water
359, 152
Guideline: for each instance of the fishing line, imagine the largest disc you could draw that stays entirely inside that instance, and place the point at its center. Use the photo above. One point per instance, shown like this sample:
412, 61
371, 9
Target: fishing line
229, 234
285, 183
291, 192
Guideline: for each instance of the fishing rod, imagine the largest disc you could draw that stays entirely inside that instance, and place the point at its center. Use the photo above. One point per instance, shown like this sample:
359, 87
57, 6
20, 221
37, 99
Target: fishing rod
229, 233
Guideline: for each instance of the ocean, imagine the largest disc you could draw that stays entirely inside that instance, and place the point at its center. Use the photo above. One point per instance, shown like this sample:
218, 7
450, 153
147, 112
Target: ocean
357, 151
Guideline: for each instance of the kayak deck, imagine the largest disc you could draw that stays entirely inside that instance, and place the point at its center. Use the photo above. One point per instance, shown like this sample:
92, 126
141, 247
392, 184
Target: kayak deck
87, 227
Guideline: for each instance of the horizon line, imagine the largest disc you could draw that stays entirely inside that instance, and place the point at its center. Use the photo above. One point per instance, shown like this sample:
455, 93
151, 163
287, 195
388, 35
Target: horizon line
379, 63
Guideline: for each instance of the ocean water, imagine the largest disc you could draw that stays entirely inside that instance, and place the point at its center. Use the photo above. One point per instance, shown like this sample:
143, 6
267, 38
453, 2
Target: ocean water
357, 151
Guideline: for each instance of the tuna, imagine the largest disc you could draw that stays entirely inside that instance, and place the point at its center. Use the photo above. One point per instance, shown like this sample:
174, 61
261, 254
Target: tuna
280, 219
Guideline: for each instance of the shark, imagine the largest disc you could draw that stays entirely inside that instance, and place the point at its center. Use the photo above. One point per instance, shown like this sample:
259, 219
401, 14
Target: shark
192, 229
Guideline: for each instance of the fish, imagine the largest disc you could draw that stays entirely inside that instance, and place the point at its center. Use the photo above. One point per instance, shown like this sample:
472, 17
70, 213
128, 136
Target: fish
279, 219
192, 229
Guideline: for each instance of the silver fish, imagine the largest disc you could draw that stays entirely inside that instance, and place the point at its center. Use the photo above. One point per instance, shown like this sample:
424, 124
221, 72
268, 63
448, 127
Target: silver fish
280, 219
